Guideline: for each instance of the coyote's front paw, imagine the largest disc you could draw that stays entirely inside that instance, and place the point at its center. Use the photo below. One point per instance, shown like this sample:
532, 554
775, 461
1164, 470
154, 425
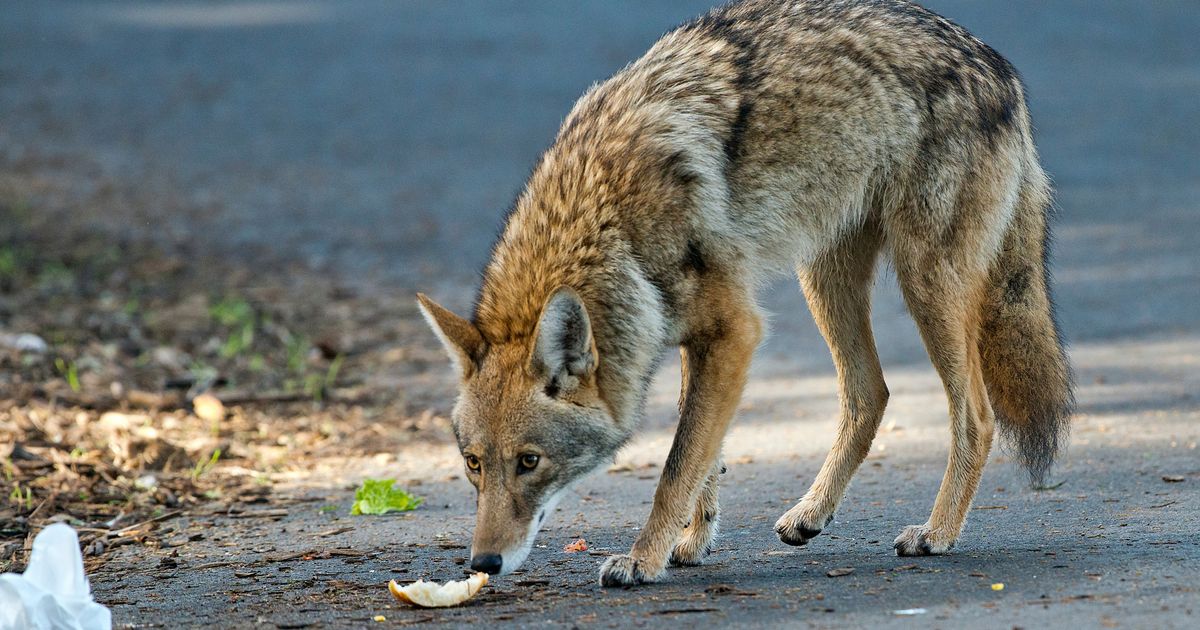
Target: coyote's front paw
799, 525
920, 540
624, 570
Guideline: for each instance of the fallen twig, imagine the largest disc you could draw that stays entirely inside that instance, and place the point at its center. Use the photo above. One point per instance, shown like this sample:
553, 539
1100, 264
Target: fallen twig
279, 513
160, 517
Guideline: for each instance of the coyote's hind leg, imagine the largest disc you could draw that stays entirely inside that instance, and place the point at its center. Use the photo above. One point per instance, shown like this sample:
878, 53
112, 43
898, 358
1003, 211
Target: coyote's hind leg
838, 288
944, 283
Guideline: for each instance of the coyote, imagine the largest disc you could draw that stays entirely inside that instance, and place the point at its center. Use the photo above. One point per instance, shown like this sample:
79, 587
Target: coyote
763, 137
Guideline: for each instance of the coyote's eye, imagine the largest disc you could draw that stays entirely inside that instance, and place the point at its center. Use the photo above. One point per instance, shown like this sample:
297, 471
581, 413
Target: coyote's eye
472, 463
528, 462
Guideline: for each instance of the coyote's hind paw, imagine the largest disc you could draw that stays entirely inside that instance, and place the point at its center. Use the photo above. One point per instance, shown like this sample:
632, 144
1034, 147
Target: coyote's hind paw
623, 570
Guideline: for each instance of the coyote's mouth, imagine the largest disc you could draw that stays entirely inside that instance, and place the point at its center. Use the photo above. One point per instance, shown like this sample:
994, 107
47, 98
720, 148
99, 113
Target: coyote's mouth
511, 559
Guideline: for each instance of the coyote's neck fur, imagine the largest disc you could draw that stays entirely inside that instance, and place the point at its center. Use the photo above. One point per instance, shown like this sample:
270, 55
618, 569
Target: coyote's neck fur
590, 219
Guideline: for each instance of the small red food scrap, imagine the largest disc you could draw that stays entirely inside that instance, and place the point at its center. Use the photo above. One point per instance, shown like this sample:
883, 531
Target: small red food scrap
578, 545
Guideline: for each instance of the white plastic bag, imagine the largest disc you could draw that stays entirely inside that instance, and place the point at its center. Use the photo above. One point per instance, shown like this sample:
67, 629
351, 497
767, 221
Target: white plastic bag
53, 593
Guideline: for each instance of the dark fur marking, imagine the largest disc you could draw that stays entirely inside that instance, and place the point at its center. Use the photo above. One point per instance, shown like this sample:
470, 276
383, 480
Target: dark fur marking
670, 300
731, 29
998, 116
677, 165
737, 131
858, 57
573, 330
1017, 286
809, 532
947, 81
694, 258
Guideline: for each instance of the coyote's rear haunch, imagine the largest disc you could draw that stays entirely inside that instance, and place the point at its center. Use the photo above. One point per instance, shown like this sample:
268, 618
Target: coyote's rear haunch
765, 136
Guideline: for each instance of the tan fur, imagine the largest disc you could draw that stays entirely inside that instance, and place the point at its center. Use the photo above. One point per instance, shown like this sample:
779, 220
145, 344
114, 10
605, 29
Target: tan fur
768, 135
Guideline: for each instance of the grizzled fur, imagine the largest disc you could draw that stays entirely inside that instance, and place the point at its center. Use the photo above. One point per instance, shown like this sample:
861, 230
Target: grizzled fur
764, 137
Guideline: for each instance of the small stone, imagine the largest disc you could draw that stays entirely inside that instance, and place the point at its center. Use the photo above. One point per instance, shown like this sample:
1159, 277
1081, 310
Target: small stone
208, 408
24, 342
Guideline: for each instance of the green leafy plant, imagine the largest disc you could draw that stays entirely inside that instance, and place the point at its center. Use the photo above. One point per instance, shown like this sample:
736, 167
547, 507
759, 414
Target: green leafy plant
202, 372
69, 371
317, 385
55, 276
204, 466
378, 496
313, 388
297, 351
9, 263
331, 374
17, 497
238, 316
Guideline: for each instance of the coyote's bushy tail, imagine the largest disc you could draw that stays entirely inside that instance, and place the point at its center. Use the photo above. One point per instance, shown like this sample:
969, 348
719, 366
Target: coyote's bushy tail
1025, 366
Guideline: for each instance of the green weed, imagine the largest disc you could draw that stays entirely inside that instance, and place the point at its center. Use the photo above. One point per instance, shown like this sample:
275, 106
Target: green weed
239, 317
69, 371
204, 466
19, 498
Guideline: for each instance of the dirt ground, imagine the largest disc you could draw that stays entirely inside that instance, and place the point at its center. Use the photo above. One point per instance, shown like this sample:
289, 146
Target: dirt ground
236, 202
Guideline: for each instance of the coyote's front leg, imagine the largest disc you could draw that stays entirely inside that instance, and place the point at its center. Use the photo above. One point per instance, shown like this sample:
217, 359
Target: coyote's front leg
697, 539
718, 359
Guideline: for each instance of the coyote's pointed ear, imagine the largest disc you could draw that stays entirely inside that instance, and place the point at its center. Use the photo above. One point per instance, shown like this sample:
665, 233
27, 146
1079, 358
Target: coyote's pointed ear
563, 348
462, 340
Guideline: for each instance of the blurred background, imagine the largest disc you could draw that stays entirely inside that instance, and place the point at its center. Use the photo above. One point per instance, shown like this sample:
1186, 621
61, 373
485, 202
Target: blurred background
239, 198
384, 139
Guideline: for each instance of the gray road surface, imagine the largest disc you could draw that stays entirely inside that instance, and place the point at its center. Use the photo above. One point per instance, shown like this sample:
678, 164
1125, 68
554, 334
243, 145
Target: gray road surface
382, 140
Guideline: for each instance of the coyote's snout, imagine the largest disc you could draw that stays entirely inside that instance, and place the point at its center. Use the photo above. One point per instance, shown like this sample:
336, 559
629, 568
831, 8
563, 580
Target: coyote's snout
768, 135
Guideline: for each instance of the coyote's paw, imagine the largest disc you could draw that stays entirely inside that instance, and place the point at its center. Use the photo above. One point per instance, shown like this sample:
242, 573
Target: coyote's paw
623, 570
697, 542
799, 525
920, 540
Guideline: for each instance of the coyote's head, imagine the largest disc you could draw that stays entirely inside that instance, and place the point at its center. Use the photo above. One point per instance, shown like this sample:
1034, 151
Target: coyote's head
530, 421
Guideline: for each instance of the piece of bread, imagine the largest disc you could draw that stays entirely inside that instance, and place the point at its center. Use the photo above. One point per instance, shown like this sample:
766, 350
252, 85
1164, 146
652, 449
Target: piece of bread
434, 595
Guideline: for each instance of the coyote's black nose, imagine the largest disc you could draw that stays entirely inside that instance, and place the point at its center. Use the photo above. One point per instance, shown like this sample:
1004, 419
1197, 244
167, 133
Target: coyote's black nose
488, 563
